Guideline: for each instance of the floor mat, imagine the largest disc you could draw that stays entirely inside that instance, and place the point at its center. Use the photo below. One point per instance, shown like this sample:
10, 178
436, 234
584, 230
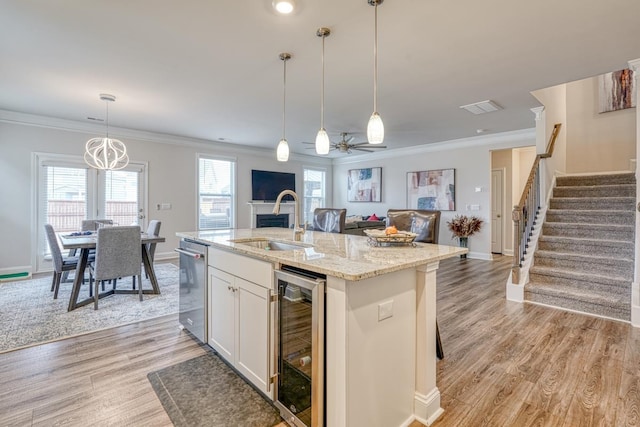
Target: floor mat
204, 391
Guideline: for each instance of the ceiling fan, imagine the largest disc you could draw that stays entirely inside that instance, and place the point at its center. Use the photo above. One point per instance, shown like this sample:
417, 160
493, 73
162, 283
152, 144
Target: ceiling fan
345, 145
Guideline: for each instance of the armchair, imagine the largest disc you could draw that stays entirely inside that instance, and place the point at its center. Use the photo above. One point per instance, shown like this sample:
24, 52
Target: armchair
422, 222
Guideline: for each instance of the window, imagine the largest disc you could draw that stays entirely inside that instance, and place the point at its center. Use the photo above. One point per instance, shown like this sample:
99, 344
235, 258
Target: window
314, 192
68, 191
216, 193
121, 197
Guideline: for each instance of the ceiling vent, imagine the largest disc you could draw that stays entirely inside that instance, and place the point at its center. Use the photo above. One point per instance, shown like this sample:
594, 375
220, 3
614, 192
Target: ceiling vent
482, 107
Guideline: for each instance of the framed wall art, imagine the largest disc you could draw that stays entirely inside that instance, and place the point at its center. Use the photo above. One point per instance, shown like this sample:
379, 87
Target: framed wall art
364, 185
432, 190
616, 91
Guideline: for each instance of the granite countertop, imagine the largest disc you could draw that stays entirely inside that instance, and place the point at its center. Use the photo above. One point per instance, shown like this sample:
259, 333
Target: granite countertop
340, 255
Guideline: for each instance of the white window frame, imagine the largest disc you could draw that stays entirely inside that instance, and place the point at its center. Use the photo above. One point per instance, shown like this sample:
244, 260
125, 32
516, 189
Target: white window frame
234, 185
94, 192
308, 216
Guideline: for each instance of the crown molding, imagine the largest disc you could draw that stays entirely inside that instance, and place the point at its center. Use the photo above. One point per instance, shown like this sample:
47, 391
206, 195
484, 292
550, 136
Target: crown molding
512, 139
34, 120
634, 64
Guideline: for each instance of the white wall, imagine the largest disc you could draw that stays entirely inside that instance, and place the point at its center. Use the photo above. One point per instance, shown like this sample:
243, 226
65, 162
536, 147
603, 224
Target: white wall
597, 142
171, 171
471, 158
554, 100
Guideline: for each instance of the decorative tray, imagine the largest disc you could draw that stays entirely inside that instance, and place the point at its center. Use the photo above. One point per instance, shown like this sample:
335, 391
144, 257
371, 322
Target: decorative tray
380, 238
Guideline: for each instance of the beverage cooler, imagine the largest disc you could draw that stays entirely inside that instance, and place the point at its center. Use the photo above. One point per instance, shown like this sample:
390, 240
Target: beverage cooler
300, 358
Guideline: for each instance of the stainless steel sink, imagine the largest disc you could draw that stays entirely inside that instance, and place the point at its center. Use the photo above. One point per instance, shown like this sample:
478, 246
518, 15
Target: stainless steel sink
269, 245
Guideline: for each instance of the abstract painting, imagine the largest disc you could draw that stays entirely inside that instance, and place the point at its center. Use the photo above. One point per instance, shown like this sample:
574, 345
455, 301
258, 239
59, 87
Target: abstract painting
364, 185
616, 91
432, 190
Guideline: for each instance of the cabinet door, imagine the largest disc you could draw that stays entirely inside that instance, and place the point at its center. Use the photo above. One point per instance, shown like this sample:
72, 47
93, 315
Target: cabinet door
253, 323
222, 313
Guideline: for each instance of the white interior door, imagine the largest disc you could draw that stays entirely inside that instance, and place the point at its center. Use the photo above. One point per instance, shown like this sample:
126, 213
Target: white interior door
497, 210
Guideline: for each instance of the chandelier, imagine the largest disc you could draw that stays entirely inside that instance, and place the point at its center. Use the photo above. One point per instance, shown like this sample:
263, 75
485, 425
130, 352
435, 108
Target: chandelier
106, 153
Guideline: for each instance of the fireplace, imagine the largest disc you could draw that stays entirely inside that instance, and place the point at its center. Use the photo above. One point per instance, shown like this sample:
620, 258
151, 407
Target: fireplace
271, 220
265, 209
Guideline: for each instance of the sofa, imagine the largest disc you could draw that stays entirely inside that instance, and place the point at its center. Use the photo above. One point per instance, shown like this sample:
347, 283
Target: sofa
357, 225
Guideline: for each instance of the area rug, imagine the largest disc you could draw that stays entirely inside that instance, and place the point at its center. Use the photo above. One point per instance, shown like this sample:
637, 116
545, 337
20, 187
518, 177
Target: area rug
29, 315
204, 391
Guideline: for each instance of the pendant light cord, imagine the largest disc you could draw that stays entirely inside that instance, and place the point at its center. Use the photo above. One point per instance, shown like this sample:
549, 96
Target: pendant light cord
284, 98
107, 121
375, 60
322, 89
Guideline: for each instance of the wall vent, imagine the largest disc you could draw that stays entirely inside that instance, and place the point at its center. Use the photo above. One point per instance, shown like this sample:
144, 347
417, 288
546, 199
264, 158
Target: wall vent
481, 107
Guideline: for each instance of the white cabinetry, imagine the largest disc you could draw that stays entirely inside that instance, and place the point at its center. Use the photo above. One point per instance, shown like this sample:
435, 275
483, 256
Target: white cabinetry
240, 314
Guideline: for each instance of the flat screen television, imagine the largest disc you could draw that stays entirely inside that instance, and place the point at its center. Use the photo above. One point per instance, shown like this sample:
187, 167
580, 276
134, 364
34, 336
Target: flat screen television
266, 185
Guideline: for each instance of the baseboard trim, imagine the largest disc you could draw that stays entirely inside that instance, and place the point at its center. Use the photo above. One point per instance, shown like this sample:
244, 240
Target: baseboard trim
164, 256
11, 274
426, 408
635, 305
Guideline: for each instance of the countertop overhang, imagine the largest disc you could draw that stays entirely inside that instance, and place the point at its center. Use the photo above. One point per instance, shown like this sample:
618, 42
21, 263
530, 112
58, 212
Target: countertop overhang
344, 256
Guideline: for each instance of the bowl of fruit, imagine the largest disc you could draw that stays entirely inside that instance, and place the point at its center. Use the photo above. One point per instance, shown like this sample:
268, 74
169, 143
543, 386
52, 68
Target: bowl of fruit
390, 236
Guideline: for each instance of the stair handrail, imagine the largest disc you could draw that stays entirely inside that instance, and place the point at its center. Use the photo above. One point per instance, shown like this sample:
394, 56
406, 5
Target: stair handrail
523, 222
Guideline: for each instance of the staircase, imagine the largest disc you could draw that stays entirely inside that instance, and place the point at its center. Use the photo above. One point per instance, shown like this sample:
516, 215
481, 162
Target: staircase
585, 255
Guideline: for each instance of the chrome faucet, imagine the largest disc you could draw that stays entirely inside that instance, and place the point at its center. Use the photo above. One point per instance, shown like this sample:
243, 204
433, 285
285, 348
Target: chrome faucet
297, 230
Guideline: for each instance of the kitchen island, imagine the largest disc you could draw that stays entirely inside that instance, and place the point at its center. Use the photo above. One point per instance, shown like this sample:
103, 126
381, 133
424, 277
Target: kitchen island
380, 314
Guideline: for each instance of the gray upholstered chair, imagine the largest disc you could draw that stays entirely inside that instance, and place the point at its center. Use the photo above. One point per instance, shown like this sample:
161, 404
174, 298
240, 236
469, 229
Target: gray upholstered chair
329, 220
117, 255
60, 263
152, 230
422, 222
92, 224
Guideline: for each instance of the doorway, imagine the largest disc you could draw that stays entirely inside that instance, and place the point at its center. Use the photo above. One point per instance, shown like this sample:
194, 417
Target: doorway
497, 210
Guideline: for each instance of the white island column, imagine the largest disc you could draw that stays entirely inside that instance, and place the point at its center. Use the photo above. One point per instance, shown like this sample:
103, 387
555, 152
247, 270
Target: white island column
380, 349
427, 398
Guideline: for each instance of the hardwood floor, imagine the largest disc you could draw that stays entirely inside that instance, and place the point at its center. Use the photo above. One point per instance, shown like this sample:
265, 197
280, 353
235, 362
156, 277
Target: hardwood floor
506, 364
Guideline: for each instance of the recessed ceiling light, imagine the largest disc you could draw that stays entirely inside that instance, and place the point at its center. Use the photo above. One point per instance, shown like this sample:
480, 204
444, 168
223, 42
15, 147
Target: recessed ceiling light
284, 6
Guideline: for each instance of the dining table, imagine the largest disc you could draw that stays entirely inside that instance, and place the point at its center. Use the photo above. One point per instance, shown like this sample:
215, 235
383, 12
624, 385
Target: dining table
85, 241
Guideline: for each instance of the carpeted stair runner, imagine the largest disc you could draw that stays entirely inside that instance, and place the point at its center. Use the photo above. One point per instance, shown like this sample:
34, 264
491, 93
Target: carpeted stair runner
585, 255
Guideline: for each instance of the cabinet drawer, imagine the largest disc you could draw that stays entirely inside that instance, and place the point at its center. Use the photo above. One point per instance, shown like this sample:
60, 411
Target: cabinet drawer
251, 269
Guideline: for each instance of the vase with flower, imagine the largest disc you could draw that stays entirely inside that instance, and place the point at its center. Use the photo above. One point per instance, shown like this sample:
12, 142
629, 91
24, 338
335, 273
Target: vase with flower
462, 226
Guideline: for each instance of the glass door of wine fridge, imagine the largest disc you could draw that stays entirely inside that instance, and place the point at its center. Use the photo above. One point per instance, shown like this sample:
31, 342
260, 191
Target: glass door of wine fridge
300, 382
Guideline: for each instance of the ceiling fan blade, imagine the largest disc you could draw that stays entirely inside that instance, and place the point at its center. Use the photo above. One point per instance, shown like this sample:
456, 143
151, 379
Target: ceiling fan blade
362, 149
351, 138
367, 145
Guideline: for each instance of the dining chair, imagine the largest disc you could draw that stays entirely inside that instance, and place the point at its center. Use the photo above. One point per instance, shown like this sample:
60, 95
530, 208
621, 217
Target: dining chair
60, 263
329, 220
92, 224
152, 230
117, 255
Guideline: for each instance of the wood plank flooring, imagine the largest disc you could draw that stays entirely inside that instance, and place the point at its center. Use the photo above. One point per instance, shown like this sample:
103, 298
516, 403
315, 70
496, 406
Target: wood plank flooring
506, 364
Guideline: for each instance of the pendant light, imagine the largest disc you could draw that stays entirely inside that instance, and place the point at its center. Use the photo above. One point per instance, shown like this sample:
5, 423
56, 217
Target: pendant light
106, 153
322, 139
375, 127
282, 152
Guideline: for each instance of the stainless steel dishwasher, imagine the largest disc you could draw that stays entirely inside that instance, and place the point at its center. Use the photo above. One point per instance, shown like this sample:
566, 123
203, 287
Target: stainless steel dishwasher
193, 287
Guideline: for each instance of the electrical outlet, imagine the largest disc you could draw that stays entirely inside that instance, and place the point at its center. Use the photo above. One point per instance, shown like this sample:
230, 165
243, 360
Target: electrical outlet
385, 310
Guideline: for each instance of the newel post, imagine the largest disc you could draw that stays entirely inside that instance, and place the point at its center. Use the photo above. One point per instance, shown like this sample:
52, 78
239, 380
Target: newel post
516, 216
